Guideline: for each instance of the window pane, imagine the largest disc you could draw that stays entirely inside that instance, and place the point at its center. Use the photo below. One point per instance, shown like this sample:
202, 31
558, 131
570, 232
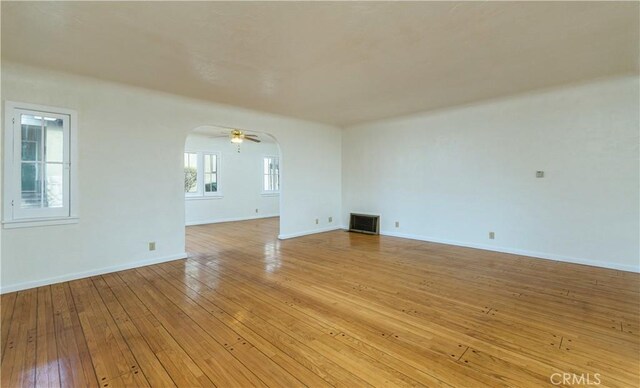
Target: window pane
40, 164
190, 160
271, 172
209, 163
54, 185
54, 140
31, 137
31, 185
190, 180
210, 182
276, 174
190, 172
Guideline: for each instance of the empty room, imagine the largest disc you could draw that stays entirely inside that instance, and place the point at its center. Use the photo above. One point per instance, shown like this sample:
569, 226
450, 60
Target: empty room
320, 194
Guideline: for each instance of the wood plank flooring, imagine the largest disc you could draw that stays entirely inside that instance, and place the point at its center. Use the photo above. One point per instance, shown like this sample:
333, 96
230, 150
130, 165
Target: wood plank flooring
333, 309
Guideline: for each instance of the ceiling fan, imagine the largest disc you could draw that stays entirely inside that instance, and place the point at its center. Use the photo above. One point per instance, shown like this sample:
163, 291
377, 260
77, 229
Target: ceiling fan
238, 137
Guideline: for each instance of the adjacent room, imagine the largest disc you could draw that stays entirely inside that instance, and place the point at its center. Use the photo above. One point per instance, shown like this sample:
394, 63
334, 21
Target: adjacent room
247, 164
339, 194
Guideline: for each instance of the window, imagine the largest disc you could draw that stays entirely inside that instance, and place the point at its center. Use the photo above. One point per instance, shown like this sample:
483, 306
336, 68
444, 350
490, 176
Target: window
190, 172
39, 177
210, 173
271, 175
201, 174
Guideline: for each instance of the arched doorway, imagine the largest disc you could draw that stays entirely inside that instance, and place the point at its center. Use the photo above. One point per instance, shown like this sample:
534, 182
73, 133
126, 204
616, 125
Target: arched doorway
229, 181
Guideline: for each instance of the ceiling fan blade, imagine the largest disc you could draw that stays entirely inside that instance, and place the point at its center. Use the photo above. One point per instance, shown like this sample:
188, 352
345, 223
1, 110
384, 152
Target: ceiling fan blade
247, 135
252, 139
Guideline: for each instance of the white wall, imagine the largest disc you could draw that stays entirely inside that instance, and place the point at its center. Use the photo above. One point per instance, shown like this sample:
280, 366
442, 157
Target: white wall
239, 180
454, 175
446, 176
131, 144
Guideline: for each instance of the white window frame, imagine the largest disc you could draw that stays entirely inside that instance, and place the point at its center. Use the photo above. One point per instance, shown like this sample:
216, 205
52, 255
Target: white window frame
216, 193
200, 193
198, 175
12, 215
269, 192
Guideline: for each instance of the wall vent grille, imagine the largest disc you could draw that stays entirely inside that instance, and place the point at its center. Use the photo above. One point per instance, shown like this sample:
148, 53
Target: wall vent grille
364, 223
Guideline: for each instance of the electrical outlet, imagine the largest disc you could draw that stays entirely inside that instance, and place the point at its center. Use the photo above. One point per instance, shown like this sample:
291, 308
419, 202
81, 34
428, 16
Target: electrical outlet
397, 224
330, 219
492, 235
152, 246
256, 210
317, 221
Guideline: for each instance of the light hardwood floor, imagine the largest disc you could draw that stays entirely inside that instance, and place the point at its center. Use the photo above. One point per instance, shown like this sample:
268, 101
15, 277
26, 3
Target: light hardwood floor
333, 309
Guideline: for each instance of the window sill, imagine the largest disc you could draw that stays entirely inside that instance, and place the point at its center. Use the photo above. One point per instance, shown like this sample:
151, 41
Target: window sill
39, 222
205, 197
267, 194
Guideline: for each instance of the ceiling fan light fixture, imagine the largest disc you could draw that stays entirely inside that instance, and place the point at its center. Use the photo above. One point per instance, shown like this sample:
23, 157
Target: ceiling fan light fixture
236, 139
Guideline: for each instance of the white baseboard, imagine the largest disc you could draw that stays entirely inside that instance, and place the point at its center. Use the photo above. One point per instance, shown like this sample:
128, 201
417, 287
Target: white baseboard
233, 219
539, 255
79, 275
308, 232
141, 263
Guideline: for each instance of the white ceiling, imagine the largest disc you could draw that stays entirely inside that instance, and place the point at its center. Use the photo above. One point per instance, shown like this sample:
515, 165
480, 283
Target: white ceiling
338, 63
